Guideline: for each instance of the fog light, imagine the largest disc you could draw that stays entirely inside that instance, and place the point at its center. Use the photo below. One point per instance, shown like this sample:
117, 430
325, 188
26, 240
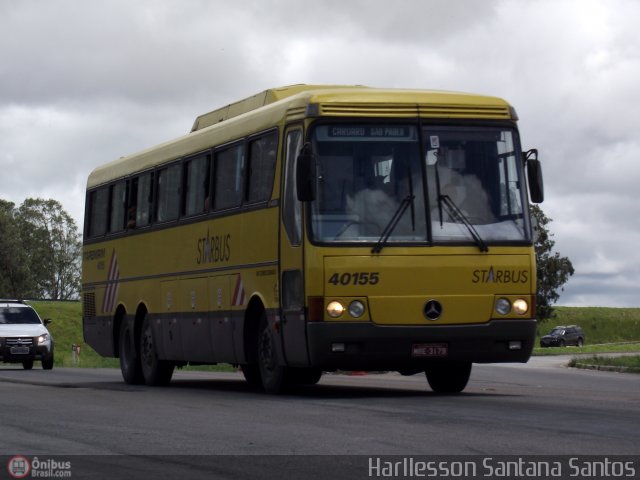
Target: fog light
503, 306
520, 306
356, 309
515, 345
337, 347
335, 309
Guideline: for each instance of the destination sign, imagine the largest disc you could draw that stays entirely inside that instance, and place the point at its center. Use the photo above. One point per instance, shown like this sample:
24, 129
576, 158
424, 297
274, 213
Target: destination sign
366, 133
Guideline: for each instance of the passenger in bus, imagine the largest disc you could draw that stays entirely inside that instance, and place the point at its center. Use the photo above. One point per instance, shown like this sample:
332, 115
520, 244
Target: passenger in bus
131, 217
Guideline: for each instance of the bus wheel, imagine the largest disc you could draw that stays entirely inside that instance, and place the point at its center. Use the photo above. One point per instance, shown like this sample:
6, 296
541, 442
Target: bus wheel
129, 361
272, 375
450, 377
154, 371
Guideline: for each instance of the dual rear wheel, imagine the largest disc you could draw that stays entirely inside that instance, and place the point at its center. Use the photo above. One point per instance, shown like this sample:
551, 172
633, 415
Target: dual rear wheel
139, 360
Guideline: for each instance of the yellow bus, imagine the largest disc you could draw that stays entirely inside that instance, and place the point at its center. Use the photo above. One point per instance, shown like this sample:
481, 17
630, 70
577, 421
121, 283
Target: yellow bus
310, 229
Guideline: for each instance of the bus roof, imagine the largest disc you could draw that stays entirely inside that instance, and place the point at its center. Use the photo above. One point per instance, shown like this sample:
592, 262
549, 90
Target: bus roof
270, 107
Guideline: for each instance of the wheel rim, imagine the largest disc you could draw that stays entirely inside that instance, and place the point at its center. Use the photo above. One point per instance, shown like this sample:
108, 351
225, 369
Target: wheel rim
266, 352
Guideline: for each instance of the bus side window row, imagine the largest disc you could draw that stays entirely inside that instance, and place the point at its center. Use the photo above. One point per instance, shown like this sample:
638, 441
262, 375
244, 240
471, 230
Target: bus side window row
185, 188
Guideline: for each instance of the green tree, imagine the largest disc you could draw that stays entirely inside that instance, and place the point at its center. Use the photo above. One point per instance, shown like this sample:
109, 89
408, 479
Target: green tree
14, 269
553, 271
50, 237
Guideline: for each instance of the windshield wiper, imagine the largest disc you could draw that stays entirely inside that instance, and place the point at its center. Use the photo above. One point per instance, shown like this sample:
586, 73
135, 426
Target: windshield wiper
458, 215
388, 230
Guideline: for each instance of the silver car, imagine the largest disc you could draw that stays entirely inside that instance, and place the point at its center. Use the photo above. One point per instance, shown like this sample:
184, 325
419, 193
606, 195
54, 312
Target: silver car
24, 337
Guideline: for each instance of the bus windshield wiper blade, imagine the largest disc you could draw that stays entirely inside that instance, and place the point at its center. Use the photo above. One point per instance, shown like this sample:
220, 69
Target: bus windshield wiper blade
388, 230
461, 217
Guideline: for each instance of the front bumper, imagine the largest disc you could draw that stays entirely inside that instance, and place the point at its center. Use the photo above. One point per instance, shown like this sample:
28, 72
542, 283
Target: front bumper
368, 346
38, 352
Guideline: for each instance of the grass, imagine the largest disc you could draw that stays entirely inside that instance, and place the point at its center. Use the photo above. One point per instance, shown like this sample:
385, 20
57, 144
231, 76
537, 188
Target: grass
624, 363
600, 324
608, 330
601, 348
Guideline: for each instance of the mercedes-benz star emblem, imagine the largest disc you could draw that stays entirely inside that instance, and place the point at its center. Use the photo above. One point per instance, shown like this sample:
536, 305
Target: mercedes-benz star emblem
433, 310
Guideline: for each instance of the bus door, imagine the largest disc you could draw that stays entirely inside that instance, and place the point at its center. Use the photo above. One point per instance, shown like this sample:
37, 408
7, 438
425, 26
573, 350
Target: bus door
291, 258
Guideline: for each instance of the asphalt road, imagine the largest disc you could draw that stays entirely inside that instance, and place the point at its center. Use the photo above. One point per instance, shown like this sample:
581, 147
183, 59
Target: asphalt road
541, 408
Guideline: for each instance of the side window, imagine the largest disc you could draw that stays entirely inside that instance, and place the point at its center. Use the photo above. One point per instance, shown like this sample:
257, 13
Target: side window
144, 200
168, 207
262, 165
510, 201
196, 185
291, 208
117, 209
98, 203
229, 165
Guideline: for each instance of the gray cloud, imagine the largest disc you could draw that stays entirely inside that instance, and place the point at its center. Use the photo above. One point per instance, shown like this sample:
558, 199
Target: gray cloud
82, 83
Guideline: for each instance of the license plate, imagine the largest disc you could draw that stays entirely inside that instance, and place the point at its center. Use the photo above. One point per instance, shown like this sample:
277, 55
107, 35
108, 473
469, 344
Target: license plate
19, 350
430, 350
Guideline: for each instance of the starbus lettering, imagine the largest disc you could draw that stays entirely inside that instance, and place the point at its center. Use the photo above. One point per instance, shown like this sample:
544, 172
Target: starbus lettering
214, 248
500, 276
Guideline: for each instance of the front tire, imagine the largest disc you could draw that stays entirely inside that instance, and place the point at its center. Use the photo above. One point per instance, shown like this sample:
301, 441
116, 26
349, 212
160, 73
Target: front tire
47, 364
273, 376
155, 371
450, 377
27, 364
129, 359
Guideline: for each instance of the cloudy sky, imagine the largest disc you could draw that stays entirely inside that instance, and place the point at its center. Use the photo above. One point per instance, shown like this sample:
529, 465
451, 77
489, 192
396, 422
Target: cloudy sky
82, 83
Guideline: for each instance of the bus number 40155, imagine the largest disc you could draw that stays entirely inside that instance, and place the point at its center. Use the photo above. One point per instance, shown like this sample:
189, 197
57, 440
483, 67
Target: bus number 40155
356, 278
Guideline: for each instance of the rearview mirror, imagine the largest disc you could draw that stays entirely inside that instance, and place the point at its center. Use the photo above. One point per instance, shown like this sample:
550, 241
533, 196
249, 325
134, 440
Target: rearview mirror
534, 176
306, 174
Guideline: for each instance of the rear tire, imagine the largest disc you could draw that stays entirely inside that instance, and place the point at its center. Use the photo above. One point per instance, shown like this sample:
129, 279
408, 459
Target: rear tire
129, 358
156, 372
449, 377
27, 364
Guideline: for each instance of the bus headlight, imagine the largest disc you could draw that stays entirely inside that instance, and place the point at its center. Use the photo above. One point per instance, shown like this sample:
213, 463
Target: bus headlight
503, 306
356, 309
520, 306
335, 309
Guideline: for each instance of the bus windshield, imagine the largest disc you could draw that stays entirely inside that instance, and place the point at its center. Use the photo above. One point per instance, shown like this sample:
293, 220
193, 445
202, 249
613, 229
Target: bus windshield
376, 185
